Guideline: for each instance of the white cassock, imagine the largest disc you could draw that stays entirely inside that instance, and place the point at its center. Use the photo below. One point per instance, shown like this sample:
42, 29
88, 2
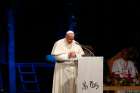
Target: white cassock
120, 67
65, 72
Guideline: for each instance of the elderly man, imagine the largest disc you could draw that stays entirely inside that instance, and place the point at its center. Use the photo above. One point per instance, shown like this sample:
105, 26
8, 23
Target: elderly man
66, 51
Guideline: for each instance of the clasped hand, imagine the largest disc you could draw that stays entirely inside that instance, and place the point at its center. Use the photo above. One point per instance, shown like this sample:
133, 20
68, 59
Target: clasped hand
72, 55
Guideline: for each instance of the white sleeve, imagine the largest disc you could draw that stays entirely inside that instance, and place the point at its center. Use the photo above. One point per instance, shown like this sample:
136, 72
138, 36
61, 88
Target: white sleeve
62, 57
54, 49
80, 52
58, 52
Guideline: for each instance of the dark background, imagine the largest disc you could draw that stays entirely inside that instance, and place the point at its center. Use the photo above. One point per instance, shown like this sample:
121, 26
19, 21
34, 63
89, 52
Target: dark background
107, 26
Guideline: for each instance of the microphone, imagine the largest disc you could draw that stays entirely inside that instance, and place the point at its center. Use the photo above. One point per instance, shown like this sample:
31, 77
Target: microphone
90, 52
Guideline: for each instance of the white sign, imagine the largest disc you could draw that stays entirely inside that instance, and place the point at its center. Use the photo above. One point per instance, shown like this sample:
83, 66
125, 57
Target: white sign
90, 75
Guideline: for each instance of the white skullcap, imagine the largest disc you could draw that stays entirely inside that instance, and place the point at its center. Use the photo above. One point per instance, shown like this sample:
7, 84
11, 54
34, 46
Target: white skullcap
69, 31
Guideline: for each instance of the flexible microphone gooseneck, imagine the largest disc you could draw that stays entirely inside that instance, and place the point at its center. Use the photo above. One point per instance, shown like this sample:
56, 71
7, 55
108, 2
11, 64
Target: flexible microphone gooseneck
91, 53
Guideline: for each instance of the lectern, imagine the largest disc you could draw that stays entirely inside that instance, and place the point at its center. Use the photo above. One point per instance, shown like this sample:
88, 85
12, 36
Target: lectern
90, 75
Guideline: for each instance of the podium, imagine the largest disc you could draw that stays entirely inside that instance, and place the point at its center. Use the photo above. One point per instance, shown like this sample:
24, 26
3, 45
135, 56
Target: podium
90, 75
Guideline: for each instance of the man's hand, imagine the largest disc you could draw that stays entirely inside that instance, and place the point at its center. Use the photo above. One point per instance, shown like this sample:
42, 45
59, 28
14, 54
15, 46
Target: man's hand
72, 55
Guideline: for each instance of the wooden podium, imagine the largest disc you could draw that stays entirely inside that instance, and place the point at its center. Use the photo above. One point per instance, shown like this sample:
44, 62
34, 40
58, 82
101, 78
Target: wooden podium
90, 75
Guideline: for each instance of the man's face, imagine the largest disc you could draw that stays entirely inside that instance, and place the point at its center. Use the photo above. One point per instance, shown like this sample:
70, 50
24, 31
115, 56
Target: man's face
70, 37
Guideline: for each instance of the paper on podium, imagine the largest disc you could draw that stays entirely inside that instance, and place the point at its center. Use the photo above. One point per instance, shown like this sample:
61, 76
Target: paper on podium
90, 75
